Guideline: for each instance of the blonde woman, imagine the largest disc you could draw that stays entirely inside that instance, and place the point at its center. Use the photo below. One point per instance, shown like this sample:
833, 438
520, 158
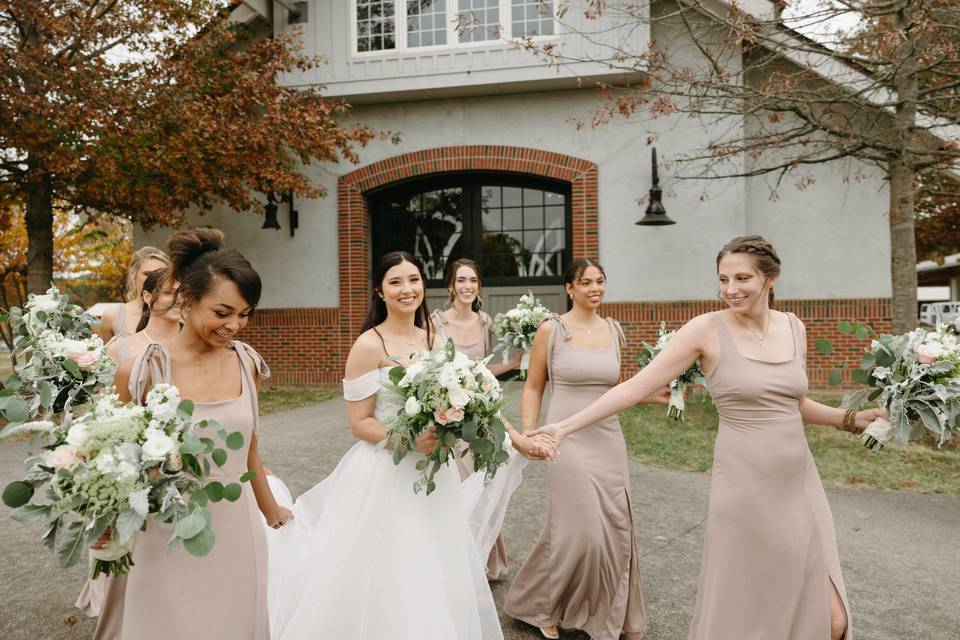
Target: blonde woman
122, 319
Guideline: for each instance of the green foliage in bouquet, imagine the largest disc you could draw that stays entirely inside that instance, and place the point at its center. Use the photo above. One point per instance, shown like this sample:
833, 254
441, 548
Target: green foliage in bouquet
461, 399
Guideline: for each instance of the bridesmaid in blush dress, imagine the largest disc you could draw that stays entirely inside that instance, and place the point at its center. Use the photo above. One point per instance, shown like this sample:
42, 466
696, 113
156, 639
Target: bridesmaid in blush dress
222, 594
770, 564
122, 319
472, 332
160, 322
584, 570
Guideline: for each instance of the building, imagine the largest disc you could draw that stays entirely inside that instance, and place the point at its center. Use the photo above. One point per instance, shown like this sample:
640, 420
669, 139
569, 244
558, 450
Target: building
489, 166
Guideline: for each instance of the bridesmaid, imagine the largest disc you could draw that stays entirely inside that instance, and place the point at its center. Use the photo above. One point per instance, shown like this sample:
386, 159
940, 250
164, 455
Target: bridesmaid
159, 318
583, 571
472, 332
223, 594
122, 319
770, 564
160, 322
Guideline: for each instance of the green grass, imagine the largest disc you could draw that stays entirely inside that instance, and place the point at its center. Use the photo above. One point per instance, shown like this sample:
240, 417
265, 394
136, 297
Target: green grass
842, 460
274, 399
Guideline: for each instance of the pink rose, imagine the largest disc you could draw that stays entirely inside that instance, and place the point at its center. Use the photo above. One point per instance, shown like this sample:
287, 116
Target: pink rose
440, 416
63, 456
455, 415
84, 359
928, 352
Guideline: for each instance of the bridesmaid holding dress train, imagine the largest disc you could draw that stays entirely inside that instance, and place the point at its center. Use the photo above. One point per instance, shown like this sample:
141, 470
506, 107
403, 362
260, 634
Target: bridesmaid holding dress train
222, 594
584, 570
472, 332
770, 566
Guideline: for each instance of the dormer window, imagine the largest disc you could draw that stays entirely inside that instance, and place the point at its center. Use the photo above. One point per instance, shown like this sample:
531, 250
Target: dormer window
444, 23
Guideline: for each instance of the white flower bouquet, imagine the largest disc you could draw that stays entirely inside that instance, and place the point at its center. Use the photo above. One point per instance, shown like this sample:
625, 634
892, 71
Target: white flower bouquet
516, 328
461, 399
678, 387
111, 467
61, 362
915, 377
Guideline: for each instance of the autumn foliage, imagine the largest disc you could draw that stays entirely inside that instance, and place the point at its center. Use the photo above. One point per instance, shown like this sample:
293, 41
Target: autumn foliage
146, 108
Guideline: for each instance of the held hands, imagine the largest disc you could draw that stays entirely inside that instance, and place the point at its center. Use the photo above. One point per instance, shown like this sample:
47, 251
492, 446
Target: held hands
551, 430
535, 447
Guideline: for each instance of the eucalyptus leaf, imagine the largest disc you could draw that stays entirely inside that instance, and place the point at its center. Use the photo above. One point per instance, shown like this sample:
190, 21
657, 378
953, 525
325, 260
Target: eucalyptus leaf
868, 360
12, 382
185, 408
69, 545
845, 328
192, 445
46, 394
232, 492
128, 522
835, 378
17, 494
235, 441
72, 368
190, 526
219, 457
861, 376
248, 476
29, 512
823, 345
15, 410
200, 497
214, 491
861, 332
200, 544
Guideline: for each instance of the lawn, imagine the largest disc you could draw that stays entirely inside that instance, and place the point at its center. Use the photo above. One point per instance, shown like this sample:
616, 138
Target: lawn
274, 399
841, 459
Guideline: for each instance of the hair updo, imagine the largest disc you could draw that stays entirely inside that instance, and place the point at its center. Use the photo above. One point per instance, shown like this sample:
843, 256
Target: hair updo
765, 258
199, 258
577, 267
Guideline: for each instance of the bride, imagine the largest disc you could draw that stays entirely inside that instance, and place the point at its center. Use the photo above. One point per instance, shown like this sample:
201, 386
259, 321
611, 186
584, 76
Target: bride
365, 557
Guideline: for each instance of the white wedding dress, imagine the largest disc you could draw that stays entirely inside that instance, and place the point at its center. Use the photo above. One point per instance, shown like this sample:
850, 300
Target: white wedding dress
366, 558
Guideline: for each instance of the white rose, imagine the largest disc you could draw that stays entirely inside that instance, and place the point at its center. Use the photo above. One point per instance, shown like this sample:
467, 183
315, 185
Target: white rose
106, 463
157, 446
458, 396
412, 407
62, 457
43, 302
77, 435
125, 469
928, 352
410, 373
129, 452
514, 313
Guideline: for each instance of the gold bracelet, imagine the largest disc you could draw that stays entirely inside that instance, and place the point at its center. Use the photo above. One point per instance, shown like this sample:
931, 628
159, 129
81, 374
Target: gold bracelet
849, 421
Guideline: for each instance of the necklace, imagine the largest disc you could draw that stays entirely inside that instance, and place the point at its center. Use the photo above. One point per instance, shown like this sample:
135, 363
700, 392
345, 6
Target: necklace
193, 359
762, 337
147, 336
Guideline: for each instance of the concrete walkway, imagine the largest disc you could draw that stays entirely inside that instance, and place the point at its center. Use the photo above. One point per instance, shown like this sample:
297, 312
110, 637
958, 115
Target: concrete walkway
899, 550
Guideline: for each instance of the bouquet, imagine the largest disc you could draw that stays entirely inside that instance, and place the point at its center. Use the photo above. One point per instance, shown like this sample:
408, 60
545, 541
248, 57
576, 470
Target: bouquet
915, 377
678, 387
62, 362
516, 328
111, 467
461, 398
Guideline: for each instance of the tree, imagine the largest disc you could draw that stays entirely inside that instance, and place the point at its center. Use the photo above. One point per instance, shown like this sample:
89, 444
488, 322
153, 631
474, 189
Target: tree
90, 260
144, 109
938, 217
792, 90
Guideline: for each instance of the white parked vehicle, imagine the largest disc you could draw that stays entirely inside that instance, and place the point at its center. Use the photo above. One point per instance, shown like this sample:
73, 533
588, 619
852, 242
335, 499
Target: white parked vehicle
933, 312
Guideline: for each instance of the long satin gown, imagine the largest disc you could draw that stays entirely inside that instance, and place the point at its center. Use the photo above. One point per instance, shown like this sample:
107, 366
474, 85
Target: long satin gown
497, 567
222, 594
770, 553
583, 571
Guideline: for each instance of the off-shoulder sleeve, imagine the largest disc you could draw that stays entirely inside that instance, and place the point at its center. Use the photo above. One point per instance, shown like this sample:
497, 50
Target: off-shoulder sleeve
362, 387
150, 368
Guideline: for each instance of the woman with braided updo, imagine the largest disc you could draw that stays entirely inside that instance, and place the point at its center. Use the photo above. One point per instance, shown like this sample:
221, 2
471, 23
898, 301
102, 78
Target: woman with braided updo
770, 565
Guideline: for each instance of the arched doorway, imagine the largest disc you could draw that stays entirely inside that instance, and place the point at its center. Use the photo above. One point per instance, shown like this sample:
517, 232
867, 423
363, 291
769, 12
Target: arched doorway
516, 227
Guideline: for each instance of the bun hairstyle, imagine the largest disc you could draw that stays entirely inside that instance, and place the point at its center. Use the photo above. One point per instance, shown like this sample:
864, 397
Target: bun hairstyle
155, 282
765, 258
140, 256
576, 268
452, 276
377, 309
199, 258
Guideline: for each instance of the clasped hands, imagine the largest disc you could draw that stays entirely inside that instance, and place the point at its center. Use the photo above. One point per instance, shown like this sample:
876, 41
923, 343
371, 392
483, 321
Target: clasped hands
531, 447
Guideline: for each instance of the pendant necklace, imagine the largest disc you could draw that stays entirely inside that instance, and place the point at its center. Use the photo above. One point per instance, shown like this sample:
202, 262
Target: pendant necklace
762, 337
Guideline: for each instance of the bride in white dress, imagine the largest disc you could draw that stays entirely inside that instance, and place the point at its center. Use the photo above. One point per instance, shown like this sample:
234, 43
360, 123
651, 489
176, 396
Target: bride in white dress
365, 557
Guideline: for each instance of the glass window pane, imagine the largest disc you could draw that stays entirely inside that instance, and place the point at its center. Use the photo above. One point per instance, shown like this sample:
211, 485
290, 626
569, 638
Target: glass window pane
554, 198
426, 22
533, 217
512, 197
479, 20
533, 240
531, 18
554, 217
491, 220
513, 219
490, 196
375, 18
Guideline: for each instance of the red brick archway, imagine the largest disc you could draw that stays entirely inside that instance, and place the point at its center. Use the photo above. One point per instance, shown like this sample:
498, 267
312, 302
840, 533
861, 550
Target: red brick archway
354, 220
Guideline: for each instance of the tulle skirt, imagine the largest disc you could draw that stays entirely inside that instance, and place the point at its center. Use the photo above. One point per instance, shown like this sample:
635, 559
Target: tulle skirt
365, 557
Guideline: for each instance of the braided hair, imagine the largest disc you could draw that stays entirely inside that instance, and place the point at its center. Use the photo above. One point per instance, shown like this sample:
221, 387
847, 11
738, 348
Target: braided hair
765, 258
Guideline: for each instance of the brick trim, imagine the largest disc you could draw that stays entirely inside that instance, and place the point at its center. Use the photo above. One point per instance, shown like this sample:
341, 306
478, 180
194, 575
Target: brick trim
354, 219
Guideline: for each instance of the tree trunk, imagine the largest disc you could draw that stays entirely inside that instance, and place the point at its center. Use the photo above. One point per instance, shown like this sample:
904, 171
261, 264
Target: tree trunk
903, 247
39, 216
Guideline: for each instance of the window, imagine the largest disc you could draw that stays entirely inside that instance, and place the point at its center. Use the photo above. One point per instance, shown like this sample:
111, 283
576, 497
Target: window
515, 227
431, 23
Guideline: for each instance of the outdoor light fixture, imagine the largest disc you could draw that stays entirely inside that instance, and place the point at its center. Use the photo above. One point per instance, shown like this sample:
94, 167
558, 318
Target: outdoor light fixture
656, 214
294, 214
270, 209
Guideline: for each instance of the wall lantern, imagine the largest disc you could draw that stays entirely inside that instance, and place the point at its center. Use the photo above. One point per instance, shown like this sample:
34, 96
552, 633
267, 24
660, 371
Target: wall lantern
656, 214
270, 210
